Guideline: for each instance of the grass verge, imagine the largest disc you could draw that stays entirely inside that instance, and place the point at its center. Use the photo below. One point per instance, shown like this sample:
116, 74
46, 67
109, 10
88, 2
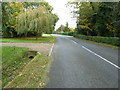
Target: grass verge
0, 69
18, 71
13, 61
34, 75
102, 44
45, 39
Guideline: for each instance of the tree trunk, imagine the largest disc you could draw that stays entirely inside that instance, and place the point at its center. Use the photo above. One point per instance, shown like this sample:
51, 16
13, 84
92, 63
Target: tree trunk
40, 34
25, 34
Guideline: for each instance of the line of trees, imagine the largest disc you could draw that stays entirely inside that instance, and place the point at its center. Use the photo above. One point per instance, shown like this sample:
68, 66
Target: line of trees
27, 18
97, 18
63, 28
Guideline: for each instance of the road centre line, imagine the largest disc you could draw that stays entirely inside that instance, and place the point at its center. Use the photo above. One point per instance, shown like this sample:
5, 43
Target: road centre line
72, 41
101, 57
97, 55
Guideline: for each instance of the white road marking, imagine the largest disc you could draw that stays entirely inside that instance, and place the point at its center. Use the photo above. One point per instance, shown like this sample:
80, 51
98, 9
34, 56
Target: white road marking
74, 42
101, 57
51, 50
71, 40
38, 53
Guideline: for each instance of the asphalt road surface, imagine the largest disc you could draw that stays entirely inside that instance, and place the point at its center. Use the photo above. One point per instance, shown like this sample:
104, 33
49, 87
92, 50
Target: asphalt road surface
80, 64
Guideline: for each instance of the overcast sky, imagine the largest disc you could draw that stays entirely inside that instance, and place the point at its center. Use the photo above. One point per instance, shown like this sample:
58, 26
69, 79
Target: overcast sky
59, 8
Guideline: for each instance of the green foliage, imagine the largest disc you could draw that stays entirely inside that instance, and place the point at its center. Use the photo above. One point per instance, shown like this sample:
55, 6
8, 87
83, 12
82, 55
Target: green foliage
85, 18
103, 18
37, 21
108, 40
34, 74
68, 33
13, 61
43, 39
97, 18
63, 28
33, 21
66, 29
20, 72
27, 18
9, 13
65, 33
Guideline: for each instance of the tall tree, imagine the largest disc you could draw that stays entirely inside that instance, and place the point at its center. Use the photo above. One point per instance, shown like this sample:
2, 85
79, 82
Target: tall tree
36, 20
21, 17
97, 18
9, 13
66, 29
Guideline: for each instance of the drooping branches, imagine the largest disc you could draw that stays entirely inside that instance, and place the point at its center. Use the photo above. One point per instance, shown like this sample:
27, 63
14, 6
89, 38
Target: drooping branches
37, 21
28, 18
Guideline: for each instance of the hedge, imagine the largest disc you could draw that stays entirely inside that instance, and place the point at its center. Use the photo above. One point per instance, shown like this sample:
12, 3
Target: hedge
108, 40
65, 33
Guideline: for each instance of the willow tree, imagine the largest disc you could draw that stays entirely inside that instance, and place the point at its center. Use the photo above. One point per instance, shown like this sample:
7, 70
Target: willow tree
37, 21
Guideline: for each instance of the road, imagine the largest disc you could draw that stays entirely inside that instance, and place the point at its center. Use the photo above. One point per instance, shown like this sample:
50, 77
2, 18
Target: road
80, 64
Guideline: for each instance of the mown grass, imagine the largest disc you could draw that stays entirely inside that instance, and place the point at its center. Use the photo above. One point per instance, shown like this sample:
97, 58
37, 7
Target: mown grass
46, 38
0, 68
33, 75
18, 71
13, 61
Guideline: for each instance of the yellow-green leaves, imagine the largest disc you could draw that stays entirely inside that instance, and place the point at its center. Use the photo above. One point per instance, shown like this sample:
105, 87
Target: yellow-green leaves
37, 20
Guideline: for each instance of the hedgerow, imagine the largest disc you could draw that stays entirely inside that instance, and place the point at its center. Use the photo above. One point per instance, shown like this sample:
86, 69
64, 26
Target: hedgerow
108, 40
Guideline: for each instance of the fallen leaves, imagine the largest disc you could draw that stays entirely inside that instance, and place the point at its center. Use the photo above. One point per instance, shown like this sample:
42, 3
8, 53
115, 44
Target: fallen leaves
43, 66
20, 74
42, 84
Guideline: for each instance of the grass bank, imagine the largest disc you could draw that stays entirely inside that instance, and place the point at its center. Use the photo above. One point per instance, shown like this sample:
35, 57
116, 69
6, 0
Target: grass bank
0, 68
34, 75
21, 72
13, 61
46, 38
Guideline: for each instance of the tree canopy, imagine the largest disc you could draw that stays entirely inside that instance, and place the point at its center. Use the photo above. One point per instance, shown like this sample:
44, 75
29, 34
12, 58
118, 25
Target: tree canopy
97, 18
27, 18
63, 28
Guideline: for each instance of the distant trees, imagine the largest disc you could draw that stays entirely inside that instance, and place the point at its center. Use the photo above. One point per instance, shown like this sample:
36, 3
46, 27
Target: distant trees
97, 18
27, 18
63, 28
66, 28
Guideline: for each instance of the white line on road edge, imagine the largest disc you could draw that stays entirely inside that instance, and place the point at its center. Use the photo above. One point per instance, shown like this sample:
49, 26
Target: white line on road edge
38, 53
51, 50
101, 57
74, 42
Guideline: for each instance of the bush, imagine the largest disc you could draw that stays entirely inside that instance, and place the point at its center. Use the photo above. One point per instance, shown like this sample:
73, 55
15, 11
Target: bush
108, 40
64, 33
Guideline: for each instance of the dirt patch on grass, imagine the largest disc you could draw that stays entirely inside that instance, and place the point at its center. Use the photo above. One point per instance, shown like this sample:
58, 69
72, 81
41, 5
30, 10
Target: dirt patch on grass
43, 48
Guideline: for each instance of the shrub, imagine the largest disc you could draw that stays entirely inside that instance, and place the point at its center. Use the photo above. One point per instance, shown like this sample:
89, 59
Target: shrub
65, 33
108, 40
